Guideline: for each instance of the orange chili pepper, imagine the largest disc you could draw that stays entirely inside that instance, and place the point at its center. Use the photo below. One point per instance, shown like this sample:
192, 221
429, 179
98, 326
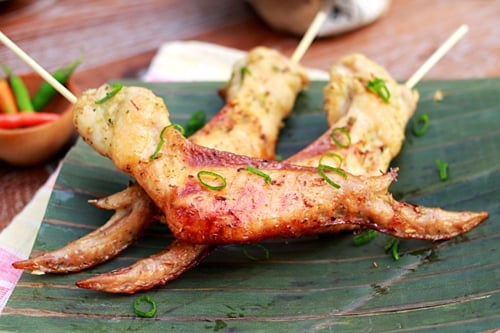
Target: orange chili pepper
7, 99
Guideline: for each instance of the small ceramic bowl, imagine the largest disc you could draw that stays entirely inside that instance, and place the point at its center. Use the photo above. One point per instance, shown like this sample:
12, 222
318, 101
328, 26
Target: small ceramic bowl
37, 144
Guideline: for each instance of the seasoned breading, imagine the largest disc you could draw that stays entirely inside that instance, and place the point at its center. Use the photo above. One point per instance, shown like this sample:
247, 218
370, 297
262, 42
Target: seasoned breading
376, 128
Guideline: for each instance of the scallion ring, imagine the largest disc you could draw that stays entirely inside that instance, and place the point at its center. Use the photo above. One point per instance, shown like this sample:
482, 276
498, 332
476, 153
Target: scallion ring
116, 88
218, 178
258, 172
264, 249
392, 244
244, 71
421, 124
443, 169
365, 237
378, 86
146, 314
326, 155
344, 131
321, 171
162, 139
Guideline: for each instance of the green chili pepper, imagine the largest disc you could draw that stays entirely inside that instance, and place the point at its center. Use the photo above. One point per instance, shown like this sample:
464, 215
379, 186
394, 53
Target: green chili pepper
46, 92
20, 91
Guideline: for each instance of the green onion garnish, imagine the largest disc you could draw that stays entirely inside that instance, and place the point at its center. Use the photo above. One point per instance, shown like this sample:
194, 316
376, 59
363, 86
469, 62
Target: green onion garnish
216, 177
443, 169
365, 237
244, 71
344, 131
194, 123
162, 140
116, 88
421, 124
378, 86
326, 155
392, 244
258, 172
321, 171
264, 249
145, 314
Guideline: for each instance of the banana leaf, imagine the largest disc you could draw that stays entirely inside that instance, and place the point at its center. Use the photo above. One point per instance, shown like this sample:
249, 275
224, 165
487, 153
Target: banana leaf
313, 284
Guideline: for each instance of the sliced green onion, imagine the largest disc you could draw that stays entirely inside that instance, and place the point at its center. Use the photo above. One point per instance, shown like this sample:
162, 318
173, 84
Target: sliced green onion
344, 131
258, 172
195, 122
116, 88
321, 171
421, 124
218, 178
378, 86
365, 237
443, 169
335, 155
162, 139
392, 244
145, 314
264, 249
244, 71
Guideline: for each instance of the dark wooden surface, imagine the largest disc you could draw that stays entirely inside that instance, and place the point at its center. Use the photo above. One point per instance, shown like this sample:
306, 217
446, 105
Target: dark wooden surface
119, 39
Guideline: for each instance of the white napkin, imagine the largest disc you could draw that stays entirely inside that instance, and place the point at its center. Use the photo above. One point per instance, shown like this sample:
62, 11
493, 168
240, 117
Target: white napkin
199, 61
175, 61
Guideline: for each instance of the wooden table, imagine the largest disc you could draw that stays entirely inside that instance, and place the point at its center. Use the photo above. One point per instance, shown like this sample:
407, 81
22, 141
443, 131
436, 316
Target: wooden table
119, 39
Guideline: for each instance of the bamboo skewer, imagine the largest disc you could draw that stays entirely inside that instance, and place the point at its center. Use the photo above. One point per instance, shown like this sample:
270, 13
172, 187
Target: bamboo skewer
298, 54
309, 36
437, 55
37, 68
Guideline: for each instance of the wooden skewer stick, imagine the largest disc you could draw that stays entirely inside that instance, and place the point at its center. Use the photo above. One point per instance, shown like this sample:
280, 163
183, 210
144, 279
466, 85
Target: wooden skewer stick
437, 55
309, 36
38, 69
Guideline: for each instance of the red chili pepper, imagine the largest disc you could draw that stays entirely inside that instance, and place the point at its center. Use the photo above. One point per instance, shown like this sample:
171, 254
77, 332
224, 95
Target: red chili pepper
18, 120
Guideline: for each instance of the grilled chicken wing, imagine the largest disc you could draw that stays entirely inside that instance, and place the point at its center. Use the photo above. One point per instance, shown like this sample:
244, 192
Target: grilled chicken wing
376, 128
130, 130
134, 213
261, 93
344, 102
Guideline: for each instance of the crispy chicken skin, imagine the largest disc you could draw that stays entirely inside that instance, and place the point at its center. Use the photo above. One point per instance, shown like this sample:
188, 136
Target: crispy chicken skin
122, 229
355, 69
376, 128
260, 94
260, 98
297, 202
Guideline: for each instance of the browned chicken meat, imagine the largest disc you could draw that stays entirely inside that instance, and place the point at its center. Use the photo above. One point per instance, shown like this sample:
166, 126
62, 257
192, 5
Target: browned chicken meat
210, 197
350, 103
351, 69
260, 93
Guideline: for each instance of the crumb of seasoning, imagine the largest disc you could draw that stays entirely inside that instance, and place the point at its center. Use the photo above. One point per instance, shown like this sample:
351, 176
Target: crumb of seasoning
438, 96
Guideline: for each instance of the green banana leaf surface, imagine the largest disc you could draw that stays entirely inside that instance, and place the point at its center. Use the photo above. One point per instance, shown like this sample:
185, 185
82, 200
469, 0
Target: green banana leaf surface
313, 284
